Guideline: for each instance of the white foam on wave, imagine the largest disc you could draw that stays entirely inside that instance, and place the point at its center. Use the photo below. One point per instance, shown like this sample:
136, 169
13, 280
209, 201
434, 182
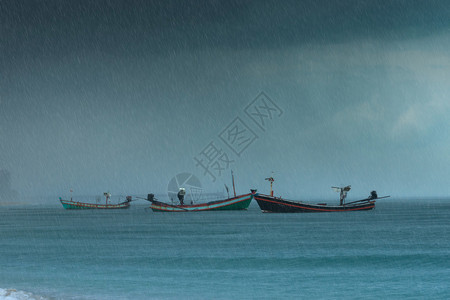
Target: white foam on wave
12, 294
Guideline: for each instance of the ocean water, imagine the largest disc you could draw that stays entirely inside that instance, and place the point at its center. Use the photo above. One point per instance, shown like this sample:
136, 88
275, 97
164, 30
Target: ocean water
399, 250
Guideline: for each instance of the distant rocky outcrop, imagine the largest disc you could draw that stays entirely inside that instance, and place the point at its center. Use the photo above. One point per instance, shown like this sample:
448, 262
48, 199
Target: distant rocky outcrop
7, 194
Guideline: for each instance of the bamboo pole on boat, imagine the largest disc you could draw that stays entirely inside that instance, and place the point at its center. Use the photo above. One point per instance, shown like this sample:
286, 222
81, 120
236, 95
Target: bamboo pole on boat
232, 178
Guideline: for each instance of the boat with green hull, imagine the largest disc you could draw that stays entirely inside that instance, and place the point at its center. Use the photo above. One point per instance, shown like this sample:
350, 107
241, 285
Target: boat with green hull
70, 204
240, 202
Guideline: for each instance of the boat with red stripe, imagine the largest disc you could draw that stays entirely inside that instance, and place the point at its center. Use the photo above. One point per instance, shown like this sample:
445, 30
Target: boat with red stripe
240, 202
270, 203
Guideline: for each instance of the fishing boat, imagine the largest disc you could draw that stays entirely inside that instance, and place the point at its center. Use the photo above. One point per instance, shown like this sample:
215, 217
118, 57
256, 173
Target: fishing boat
270, 203
70, 204
240, 202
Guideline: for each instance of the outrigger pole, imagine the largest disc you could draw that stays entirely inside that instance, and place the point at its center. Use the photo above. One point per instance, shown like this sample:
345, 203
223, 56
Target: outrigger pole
151, 198
368, 199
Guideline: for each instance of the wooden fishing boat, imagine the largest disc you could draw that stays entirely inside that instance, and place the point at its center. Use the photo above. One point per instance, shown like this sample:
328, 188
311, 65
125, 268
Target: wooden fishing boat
274, 204
70, 204
270, 203
240, 202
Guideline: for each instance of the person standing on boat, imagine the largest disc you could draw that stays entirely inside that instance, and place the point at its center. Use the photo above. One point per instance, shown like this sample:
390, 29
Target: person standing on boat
180, 195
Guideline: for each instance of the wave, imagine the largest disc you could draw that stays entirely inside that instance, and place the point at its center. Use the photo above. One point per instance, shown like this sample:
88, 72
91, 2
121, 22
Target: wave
13, 294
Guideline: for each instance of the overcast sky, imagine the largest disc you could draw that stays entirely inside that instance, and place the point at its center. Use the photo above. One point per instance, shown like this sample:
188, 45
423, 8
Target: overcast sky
124, 95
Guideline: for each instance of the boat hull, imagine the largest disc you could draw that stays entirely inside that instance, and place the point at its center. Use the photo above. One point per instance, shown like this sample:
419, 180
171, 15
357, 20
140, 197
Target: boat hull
273, 204
237, 203
67, 204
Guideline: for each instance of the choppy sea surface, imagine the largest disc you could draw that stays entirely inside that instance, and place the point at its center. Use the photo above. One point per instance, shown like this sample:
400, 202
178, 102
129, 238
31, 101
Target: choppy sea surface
399, 250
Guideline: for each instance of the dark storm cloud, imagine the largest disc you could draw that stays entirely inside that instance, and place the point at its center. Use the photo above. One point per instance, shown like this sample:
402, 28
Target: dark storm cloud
123, 94
46, 28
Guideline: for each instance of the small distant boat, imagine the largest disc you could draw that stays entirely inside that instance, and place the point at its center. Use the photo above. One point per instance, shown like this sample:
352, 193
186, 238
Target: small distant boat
70, 204
269, 203
240, 202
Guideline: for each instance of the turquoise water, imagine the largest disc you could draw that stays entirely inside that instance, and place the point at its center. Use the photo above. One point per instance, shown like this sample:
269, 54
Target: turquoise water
399, 250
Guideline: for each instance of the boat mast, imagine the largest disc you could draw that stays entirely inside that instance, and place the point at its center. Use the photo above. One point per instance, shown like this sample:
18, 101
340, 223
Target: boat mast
228, 191
271, 180
107, 195
232, 178
342, 193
